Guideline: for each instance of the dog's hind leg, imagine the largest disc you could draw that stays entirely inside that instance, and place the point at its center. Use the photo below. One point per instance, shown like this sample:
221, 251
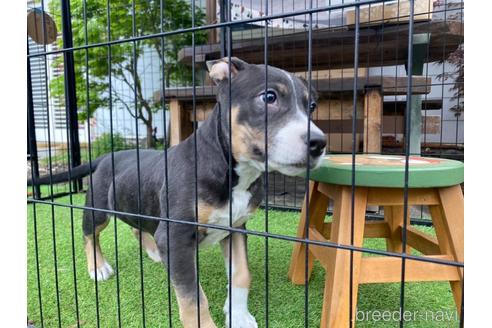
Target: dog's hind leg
183, 273
93, 223
241, 279
148, 243
97, 266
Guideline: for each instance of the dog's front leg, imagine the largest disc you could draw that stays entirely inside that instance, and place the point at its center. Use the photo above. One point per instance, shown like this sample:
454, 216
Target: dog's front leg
241, 279
182, 267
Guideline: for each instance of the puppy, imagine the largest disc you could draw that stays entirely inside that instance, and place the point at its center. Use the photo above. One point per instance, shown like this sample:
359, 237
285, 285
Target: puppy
287, 104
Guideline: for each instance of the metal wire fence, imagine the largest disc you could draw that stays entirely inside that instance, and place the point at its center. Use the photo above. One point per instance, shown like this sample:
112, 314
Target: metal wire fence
99, 78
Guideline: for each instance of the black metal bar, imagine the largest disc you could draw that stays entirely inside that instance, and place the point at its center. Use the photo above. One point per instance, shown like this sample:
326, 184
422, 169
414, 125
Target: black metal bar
36, 195
70, 90
308, 160
38, 276
72, 237
229, 157
255, 233
111, 129
137, 150
443, 72
354, 145
369, 216
407, 159
72, 234
224, 17
413, 220
265, 59
287, 208
424, 119
195, 153
32, 147
52, 207
91, 180
462, 308
166, 171
396, 73
342, 75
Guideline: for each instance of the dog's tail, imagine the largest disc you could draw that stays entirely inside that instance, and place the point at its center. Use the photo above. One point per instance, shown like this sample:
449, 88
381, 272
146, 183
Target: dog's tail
75, 173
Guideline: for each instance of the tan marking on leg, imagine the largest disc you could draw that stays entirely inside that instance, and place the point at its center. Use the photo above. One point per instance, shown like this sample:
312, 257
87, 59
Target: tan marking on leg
188, 311
148, 243
101, 227
241, 280
204, 212
241, 276
90, 245
89, 252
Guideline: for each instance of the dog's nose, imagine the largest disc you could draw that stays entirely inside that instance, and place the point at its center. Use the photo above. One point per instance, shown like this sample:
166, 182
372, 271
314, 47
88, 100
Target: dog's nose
316, 145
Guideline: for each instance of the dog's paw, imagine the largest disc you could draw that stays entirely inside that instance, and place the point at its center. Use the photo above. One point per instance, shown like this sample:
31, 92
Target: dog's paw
241, 319
104, 272
154, 255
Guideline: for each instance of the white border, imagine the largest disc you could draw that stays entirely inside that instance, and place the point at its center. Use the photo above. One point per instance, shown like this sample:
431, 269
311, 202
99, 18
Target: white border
13, 191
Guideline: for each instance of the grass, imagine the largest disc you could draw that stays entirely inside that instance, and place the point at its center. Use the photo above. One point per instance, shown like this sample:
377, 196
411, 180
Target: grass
286, 301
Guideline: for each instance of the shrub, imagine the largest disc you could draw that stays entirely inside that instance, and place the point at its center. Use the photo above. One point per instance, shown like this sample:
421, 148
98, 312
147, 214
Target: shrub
102, 145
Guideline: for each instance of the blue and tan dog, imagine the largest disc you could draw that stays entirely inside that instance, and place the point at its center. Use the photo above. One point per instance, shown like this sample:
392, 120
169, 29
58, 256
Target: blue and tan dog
286, 103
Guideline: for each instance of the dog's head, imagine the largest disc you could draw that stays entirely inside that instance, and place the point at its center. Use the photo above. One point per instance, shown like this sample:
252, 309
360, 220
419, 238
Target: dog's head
287, 105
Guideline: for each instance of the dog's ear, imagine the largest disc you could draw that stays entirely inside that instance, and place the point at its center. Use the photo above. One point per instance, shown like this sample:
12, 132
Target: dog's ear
218, 70
314, 92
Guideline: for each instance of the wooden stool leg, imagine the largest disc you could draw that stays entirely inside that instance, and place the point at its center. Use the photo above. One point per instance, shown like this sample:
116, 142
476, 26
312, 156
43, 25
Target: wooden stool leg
318, 204
393, 215
336, 302
176, 121
448, 220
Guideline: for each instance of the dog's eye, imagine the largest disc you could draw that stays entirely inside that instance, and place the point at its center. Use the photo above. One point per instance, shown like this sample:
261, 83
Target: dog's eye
269, 97
312, 107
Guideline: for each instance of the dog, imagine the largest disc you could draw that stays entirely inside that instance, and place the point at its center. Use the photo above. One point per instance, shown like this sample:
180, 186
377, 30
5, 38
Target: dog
289, 152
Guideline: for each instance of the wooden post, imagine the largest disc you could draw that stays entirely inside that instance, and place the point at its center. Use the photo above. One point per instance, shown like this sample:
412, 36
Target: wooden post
448, 220
212, 19
176, 121
316, 206
373, 123
335, 312
394, 216
373, 116
415, 111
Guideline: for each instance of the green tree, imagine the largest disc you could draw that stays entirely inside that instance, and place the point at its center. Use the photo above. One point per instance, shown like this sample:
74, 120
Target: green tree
89, 26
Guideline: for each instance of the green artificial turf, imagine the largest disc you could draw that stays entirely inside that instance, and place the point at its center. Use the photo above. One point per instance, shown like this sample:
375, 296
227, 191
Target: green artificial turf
286, 302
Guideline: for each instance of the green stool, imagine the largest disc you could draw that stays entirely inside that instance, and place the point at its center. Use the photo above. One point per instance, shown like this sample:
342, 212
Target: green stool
379, 181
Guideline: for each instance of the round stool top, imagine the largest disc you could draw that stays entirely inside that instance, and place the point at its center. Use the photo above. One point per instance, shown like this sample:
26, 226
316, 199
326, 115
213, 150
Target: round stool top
389, 171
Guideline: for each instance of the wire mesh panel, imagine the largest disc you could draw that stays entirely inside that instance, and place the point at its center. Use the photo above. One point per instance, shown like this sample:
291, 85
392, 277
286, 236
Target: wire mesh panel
187, 124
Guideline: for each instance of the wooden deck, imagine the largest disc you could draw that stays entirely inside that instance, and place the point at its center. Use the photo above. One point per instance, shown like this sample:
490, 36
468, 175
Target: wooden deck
379, 45
389, 85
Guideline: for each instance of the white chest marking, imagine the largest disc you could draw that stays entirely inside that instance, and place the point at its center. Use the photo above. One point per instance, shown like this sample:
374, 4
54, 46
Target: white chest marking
240, 205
